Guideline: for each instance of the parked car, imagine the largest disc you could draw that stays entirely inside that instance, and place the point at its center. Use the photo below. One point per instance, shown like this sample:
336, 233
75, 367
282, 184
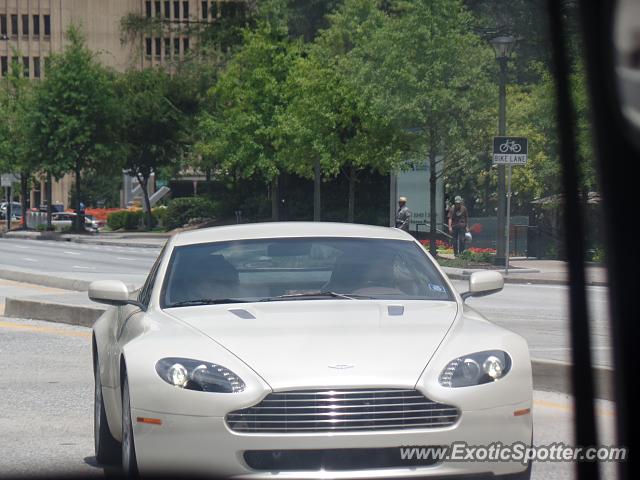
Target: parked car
16, 210
63, 220
296, 349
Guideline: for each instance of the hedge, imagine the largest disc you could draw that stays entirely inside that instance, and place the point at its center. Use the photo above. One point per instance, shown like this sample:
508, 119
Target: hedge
181, 210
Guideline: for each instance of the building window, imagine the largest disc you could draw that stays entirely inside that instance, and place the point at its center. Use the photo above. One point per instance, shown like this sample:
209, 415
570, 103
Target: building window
4, 65
185, 45
47, 62
176, 47
185, 10
214, 9
147, 8
167, 9
14, 25
3, 25
36, 25
25, 67
36, 67
25, 24
148, 46
158, 46
205, 10
47, 25
167, 47
176, 10
158, 11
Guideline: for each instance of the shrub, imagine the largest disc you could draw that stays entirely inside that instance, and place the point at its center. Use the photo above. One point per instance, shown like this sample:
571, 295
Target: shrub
125, 219
181, 210
159, 215
116, 220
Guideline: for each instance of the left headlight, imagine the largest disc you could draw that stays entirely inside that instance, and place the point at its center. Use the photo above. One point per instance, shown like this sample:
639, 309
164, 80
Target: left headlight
196, 375
476, 369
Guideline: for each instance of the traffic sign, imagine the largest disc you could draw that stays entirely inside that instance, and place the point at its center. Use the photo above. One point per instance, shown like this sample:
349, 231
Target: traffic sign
510, 150
8, 179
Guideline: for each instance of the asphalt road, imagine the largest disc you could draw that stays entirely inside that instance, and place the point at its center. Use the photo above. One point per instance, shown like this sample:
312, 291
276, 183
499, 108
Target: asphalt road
538, 312
77, 260
46, 406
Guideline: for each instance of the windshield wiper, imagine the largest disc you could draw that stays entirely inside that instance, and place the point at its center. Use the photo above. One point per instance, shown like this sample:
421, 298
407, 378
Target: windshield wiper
314, 295
206, 301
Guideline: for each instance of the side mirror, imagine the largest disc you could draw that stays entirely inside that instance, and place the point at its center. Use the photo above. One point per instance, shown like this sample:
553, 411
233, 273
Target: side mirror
111, 292
484, 283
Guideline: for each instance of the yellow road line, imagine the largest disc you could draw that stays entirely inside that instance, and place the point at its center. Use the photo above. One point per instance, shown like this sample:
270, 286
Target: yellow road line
47, 330
569, 408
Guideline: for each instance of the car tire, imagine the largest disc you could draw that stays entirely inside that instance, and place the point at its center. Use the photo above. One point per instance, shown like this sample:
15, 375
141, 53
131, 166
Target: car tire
129, 460
107, 448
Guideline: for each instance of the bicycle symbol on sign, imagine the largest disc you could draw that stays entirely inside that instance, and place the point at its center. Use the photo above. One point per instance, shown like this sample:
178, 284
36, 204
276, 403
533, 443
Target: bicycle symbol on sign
510, 146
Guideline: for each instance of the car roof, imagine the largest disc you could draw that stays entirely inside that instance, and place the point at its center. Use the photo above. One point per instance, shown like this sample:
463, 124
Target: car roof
287, 230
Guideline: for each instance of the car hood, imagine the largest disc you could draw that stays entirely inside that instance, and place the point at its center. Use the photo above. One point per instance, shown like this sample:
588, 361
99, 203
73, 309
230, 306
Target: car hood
328, 343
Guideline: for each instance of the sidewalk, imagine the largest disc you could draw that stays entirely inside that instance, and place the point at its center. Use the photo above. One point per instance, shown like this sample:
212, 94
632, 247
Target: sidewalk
554, 272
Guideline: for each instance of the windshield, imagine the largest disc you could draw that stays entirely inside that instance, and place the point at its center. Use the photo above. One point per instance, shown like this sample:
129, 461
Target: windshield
301, 268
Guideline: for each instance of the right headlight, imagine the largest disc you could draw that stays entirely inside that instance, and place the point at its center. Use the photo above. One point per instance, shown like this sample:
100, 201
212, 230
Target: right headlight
196, 375
476, 369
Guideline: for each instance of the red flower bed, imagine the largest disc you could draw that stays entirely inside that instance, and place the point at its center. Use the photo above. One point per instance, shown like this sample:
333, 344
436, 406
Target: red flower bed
481, 250
439, 243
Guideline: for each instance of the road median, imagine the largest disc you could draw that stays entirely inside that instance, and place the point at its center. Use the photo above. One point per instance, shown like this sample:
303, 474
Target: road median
548, 375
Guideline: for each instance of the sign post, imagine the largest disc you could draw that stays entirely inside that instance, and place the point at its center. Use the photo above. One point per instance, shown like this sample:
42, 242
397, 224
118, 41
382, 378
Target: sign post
7, 180
509, 151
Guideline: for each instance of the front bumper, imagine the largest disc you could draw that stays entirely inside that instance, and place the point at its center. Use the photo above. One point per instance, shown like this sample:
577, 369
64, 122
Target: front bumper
206, 446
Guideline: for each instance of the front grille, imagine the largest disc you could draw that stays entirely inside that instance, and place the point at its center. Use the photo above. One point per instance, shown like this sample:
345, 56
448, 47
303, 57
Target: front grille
338, 459
342, 410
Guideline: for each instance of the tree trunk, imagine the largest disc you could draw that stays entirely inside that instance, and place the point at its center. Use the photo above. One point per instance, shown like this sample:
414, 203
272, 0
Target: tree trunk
433, 218
144, 183
317, 178
24, 192
275, 200
49, 198
352, 195
79, 209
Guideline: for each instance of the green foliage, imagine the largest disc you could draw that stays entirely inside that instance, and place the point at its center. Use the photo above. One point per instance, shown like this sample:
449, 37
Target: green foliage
152, 123
129, 220
71, 124
477, 257
240, 125
181, 210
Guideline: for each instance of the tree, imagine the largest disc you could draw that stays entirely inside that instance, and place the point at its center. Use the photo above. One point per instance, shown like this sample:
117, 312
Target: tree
240, 123
427, 73
15, 102
152, 124
73, 119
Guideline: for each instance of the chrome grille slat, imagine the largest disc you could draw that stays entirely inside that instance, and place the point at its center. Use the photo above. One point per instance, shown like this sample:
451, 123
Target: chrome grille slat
413, 404
342, 410
334, 414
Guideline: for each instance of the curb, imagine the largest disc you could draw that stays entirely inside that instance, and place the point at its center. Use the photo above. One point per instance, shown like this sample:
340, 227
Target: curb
555, 376
57, 237
45, 280
111, 243
532, 281
81, 315
548, 375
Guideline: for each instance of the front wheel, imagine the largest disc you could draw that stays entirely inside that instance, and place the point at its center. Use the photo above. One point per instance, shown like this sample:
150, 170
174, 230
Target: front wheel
129, 461
107, 448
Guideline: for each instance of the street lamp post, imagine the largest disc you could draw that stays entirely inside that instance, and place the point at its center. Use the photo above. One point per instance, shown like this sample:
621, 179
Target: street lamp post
503, 47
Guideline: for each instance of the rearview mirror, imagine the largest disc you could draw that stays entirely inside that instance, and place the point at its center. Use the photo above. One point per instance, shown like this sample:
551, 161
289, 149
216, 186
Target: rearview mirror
484, 283
111, 292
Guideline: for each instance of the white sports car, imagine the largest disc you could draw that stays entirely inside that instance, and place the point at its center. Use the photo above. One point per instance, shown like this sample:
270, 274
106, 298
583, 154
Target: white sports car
304, 350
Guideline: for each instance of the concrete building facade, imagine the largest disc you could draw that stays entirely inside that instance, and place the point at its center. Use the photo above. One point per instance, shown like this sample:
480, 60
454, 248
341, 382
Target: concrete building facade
32, 30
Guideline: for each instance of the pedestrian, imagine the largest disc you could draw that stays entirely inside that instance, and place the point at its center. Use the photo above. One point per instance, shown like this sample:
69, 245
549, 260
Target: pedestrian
403, 215
458, 221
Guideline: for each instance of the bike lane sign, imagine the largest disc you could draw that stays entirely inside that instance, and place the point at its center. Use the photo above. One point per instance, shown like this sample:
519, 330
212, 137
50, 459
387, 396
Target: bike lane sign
510, 150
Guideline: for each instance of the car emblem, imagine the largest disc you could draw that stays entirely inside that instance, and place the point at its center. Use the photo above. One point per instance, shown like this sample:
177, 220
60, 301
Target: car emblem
341, 366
